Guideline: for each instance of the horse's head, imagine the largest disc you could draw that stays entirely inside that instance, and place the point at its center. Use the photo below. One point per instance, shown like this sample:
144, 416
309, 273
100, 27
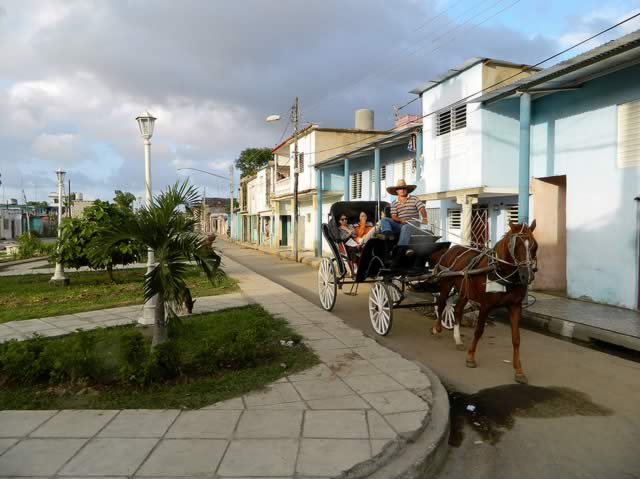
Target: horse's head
522, 248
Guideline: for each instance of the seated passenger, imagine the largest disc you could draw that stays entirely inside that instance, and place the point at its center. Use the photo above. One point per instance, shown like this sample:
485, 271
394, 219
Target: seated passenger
364, 229
347, 236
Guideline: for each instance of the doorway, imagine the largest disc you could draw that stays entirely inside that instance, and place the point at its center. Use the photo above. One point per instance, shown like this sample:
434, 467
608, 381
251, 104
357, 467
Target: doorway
284, 231
549, 206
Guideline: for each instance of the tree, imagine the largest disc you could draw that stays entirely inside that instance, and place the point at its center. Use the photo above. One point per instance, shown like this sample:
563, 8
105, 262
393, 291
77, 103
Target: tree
252, 159
80, 242
124, 199
168, 226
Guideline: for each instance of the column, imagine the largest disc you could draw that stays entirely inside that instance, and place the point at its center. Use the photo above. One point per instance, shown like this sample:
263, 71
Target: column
318, 210
467, 203
523, 166
419, 160
376, 174
346, 180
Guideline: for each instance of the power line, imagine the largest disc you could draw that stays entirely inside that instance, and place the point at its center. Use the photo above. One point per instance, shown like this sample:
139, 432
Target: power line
331, 97
463, 100
394, 66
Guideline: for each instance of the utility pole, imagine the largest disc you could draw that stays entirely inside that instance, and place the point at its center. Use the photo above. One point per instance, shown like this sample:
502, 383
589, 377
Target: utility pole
231, 173
294, 121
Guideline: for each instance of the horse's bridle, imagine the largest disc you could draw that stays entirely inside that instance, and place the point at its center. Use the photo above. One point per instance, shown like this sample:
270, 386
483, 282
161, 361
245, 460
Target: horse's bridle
529, 263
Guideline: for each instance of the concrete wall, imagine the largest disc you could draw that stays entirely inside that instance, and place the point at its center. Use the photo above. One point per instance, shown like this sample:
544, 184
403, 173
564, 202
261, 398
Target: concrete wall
452, 161
500, 143
575, 134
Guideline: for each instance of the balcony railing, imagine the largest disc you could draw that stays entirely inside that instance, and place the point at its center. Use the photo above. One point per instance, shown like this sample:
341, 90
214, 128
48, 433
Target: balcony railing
284, 187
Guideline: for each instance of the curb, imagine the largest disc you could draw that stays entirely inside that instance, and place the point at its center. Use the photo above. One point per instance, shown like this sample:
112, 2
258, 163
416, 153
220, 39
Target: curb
18, 262
575, 331
419, 456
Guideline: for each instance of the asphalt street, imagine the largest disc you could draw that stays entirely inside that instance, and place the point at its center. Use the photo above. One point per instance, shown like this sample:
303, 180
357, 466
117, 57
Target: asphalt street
578, 418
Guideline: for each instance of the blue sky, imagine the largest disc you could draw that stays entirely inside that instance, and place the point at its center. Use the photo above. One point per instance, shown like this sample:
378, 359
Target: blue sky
75, 73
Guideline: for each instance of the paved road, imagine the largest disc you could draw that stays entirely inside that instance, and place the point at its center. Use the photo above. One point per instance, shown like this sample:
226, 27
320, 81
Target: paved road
579, 418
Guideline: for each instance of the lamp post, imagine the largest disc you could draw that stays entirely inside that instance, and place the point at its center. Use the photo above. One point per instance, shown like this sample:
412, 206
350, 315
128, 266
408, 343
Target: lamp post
59, 277
294, 122
145, 123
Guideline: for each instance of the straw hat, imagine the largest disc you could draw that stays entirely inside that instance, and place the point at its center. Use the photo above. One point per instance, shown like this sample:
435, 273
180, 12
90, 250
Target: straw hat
400, 184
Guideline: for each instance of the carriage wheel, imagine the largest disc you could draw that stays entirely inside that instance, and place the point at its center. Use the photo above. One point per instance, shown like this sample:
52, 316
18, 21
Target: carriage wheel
327, 284
448, 319
380, 308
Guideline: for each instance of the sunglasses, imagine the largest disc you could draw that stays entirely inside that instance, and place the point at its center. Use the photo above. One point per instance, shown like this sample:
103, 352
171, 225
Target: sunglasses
343, 219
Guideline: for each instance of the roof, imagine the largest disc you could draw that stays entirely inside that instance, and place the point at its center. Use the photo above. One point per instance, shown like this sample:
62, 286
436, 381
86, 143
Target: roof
308, 129
607, 58
394, 138
471, 62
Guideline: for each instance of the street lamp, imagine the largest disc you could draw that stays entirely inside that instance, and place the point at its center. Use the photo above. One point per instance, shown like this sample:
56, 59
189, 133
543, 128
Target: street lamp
294, 121
145, 123
59, 277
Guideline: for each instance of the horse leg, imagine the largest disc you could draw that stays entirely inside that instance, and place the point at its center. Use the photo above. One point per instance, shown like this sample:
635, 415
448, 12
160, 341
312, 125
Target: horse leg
515, 311
477, 334
445, 289
458, 311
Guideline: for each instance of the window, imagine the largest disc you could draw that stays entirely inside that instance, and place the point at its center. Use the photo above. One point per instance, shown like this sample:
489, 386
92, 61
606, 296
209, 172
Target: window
356, 186
300, 162
512, 214
383, 173
629, 134
433, 219
454, 219
450, 120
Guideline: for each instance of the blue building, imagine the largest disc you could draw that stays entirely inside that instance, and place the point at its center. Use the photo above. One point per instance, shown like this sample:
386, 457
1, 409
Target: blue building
576, 126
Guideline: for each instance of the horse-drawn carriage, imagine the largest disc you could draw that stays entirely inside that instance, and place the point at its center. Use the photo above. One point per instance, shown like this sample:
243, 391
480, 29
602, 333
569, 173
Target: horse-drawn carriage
446, 278
378, 261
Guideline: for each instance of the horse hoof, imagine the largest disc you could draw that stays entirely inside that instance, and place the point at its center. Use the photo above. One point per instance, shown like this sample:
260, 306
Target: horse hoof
435, 332
471, 363
521, 378
460, 347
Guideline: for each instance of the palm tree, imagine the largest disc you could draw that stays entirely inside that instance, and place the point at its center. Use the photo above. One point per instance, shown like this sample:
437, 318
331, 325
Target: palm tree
168, 226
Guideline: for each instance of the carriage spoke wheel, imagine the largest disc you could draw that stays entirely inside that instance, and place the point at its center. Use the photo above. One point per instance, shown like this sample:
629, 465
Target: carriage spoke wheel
327, 284
380, 308
448, 318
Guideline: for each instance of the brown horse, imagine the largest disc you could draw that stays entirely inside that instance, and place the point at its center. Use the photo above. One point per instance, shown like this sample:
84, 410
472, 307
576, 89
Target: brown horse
512, 261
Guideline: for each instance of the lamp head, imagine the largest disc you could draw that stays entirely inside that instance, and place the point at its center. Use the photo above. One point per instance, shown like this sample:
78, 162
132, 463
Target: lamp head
145, 123
60, 175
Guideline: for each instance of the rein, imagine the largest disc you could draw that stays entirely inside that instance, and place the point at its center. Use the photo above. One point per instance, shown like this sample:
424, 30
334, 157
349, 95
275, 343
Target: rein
440, 271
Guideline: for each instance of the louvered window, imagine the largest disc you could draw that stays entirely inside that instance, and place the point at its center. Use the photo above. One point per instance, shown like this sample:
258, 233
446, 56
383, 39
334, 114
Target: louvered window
449, 120
629, 134
408, 169
300, 162
433, 218
454, 218
356, 185
383, 172
512, 214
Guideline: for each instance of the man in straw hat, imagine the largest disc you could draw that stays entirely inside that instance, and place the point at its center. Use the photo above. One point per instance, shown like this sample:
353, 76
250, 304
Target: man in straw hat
405, 210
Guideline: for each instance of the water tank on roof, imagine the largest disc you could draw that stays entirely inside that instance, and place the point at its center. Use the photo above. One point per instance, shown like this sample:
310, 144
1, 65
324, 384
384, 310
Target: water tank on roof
364, 119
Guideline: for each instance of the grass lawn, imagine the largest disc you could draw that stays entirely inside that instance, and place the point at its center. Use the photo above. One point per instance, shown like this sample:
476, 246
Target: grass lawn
32, 296
220, 355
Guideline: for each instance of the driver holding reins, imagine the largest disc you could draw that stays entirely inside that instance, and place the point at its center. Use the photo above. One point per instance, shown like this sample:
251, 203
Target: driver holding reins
407, 213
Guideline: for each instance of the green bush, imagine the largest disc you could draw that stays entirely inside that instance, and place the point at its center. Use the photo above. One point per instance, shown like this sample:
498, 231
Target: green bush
30, 245
122, 356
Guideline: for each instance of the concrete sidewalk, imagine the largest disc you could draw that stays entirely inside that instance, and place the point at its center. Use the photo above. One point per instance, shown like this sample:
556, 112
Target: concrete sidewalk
583, 321
357, 411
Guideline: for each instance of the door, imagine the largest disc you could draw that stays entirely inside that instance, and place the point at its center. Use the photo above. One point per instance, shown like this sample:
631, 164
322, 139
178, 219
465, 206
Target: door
284, 232
549, 205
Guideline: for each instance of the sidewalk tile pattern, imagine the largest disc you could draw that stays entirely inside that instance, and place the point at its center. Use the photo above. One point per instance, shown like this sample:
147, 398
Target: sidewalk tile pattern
312, 424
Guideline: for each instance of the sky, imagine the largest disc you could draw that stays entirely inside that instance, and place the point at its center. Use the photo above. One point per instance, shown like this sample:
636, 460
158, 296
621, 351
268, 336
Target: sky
74, 74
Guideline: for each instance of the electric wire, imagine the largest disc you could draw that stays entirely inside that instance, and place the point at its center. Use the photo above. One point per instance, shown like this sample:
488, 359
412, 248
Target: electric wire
412, 52
463, 100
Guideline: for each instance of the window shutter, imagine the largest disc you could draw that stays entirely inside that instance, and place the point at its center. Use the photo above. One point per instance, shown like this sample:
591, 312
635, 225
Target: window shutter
452, 119
512, 215
454, 219
629, 134
356, 185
